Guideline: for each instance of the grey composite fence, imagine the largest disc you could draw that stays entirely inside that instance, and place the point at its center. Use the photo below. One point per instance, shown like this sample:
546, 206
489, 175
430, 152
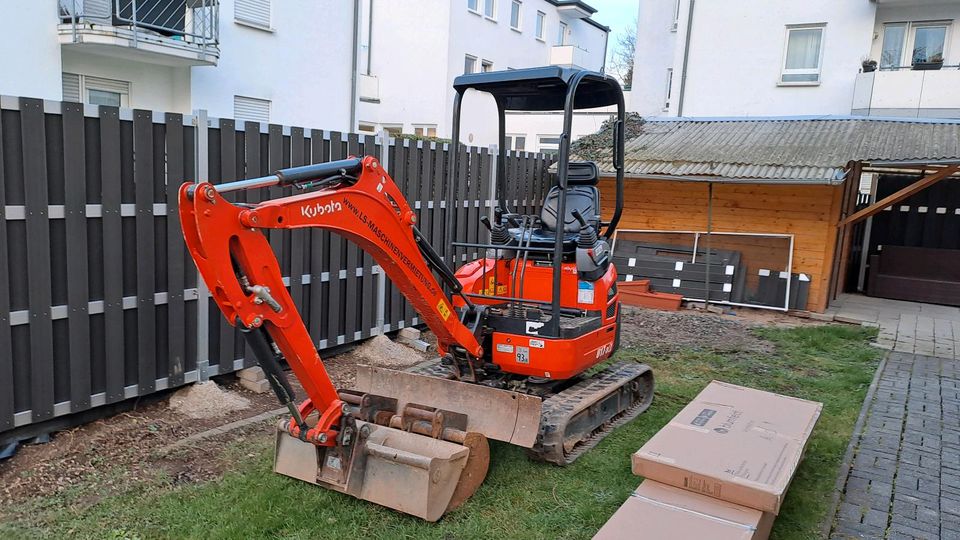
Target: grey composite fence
99, 301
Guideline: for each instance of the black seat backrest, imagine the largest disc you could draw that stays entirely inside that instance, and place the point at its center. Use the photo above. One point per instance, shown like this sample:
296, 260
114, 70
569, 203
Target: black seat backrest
582, 195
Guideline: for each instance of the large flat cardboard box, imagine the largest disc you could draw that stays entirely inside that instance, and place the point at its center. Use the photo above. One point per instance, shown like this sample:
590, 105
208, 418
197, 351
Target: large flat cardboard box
656, 511
732, 443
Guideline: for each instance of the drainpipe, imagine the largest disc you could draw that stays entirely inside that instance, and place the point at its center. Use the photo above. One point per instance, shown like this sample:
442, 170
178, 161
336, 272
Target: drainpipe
355, 65
686, 56
606, 41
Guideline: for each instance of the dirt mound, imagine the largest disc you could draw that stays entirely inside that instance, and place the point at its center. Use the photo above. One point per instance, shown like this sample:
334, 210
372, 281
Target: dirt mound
383, 352
668, 331
207, 400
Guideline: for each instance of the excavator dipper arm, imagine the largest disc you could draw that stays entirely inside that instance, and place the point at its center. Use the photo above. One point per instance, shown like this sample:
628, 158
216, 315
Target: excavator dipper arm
359, 201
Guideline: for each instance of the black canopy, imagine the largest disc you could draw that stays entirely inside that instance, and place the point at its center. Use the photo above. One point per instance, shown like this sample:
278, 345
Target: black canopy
541, 88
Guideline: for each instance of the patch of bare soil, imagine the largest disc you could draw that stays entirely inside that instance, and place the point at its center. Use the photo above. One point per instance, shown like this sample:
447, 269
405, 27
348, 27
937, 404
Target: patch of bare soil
207, 400
663, 332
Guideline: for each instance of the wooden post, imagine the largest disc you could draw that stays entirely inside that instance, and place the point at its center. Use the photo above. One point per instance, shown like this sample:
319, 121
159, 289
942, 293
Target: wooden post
889, 200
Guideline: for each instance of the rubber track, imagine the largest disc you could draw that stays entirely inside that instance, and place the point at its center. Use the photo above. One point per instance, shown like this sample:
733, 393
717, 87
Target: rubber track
558, 408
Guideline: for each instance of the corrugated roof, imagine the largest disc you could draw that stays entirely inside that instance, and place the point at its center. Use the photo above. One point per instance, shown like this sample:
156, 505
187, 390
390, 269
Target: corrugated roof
811, 150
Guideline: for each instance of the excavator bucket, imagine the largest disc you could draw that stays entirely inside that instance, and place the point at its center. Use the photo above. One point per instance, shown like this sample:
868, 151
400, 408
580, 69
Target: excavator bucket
402, 470
498, 414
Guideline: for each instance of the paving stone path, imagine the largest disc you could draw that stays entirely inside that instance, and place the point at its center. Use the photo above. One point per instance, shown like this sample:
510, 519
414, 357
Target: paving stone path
904, 481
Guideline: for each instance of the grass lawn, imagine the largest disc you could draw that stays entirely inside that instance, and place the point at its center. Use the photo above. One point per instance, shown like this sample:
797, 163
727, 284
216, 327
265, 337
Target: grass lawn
520, 498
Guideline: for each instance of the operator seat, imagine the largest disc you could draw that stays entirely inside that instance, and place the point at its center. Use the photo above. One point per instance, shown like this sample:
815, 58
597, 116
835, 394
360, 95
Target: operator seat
582, 195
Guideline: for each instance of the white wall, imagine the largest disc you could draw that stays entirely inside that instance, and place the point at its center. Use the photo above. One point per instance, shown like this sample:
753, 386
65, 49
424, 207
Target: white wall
656, 45
152, 86
303, 66
736, 55
29, 50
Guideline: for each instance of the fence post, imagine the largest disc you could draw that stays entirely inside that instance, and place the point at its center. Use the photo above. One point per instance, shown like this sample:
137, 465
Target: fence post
494, 156
202, 174
381, 276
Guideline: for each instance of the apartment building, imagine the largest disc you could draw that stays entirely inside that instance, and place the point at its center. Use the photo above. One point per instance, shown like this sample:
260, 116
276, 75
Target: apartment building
260, 60
777, 57
411, 51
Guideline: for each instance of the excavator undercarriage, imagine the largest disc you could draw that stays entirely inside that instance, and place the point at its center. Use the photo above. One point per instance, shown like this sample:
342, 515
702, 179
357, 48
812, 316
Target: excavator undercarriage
525, 333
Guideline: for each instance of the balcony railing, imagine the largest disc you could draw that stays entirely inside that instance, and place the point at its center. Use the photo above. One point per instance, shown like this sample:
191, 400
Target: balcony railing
908, 92
570, 56
176, 27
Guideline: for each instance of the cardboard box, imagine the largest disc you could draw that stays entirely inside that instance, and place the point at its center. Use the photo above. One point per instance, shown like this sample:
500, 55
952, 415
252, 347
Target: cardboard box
732, 443
657, 511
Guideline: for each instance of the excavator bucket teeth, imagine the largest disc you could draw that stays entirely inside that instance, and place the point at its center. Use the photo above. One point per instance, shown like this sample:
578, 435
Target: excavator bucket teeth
498, 414
405, 471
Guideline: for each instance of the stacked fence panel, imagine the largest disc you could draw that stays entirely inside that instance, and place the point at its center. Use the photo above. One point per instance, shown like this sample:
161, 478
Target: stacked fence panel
99, 299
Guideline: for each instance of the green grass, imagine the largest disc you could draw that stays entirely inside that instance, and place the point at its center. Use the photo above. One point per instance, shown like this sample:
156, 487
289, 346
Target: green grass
520, 498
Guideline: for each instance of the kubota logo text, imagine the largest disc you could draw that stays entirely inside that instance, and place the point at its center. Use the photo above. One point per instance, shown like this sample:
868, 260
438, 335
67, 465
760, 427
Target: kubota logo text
318, 209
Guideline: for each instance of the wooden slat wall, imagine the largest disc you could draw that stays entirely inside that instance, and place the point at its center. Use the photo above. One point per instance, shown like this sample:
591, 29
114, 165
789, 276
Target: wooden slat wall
810, 213
99, 303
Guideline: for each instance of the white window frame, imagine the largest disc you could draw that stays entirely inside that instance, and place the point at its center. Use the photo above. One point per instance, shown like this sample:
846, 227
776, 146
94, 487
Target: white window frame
362, 123
910, 39
424, 130
85, 83
469, 57
541, 20
493, 10
474, 10
511, 140
254, 24
392, 129
551, 148
786, 46
484, 64
562, 33
519, 26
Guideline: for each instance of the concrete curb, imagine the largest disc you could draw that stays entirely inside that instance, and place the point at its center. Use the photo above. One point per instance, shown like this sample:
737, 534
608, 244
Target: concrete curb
847, 462
189, 441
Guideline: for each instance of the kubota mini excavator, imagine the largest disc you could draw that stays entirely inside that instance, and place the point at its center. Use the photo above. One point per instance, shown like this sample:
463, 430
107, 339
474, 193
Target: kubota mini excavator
516, 336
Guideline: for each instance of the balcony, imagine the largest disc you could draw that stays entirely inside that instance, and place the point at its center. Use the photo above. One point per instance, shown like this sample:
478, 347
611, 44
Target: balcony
166, 32
910, 93
569, 56
368, 88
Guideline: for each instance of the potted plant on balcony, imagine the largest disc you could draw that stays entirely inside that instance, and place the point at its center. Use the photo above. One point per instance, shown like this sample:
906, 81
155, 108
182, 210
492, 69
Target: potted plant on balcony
931, 63
868, 65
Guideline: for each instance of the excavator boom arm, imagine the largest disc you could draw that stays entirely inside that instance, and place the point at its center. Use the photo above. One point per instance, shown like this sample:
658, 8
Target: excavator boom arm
244, 278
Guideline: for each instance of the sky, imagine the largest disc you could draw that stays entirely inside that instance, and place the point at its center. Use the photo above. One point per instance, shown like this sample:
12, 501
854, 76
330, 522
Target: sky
619, 15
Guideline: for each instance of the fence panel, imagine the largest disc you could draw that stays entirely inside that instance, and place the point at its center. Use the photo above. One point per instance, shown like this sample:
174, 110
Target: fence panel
98, 296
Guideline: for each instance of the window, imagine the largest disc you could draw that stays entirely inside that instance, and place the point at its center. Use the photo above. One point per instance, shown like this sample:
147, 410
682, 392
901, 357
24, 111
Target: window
666, 101
474, 6
541, 16
368, 127
801, 61
425, 130
561, 33
929, 42
486, 66
393, 130
515, 14
251, 109
252, 12
909, 43
894, 36
548, 144
95, 90
470, 64
516, 142
490, 9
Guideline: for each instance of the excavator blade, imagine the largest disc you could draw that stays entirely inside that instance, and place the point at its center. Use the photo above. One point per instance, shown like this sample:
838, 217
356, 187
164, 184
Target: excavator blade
405, 471
498, 414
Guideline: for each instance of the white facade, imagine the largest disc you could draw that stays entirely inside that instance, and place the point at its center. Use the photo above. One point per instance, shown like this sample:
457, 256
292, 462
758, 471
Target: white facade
411, 52
302, 75
779, 57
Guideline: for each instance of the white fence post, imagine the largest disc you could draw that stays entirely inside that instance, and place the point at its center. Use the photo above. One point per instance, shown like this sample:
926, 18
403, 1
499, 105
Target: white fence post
202, 174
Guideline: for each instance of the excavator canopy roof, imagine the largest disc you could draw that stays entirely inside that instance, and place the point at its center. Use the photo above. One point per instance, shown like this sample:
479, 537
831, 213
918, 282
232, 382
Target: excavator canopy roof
542, 88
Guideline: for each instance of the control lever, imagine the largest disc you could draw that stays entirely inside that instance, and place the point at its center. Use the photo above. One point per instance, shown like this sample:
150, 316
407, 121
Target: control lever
579, 217
486, 223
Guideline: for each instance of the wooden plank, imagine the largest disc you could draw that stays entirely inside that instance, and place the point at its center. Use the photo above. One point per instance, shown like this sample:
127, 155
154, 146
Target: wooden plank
112, 225
352, 283
461, 197
368, 315
38, 258
410, 190
75, 215
176, 266
275, 163
335, 309
900, 195
146, 278
226, 349
440, 180
7, 407
472, 213
318, 311
399, 167
298, 237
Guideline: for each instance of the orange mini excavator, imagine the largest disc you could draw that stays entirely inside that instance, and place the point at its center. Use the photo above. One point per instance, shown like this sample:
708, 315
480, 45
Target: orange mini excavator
517, 330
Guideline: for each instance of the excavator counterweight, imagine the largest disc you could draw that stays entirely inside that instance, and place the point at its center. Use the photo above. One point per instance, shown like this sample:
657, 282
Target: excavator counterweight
517, 330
